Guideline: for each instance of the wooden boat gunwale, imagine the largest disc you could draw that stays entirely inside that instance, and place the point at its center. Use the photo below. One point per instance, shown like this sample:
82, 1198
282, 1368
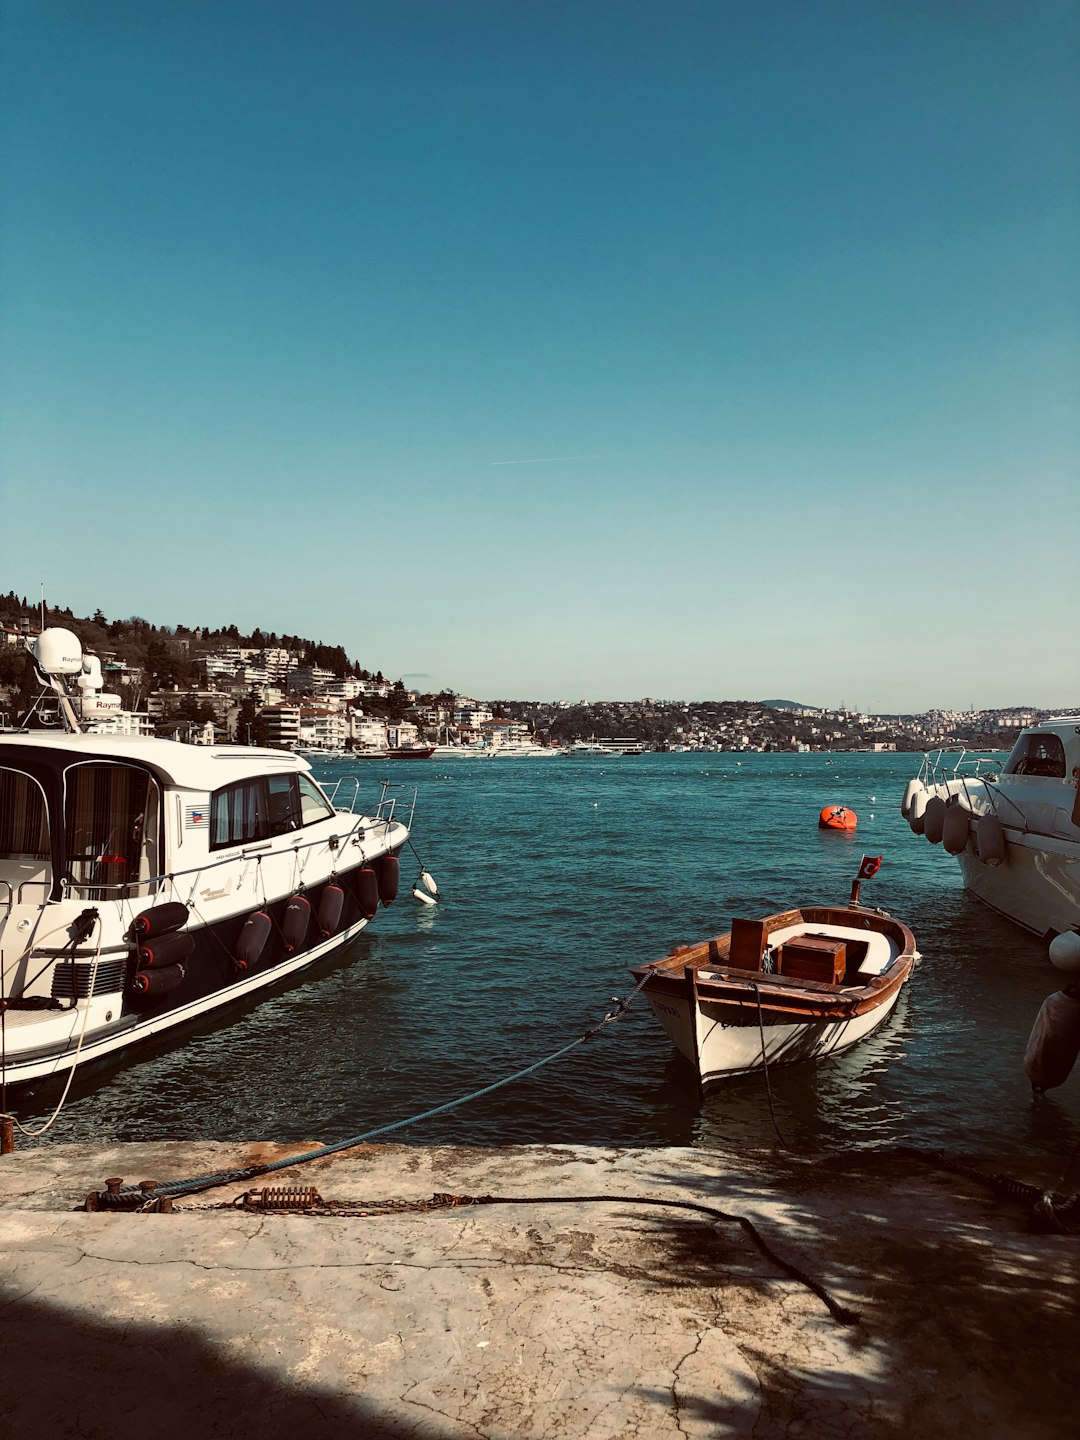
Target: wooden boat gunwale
736, 992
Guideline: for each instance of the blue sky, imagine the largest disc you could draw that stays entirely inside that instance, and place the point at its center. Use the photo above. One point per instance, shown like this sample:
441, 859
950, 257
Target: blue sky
556, 350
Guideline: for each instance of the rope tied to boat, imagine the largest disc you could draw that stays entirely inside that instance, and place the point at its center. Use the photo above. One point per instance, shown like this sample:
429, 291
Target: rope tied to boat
84, 926
199, 1183
765, 1066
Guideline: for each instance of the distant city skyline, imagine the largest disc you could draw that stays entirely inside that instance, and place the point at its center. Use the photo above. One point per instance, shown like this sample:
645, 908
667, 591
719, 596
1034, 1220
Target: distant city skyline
556, 351
424, 682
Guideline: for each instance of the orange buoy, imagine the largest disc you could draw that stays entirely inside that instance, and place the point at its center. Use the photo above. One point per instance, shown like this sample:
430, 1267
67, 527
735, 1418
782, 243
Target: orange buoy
837, 817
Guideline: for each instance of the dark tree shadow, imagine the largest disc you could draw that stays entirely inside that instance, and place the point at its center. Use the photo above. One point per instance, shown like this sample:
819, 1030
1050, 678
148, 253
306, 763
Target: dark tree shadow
66, 1374
967, 1316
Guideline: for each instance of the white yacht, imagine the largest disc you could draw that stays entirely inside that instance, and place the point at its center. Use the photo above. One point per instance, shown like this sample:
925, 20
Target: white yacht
145, 883
1013, 827
522, 750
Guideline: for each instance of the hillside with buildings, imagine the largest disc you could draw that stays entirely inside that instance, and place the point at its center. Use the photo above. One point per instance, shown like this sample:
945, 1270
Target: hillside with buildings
210, 686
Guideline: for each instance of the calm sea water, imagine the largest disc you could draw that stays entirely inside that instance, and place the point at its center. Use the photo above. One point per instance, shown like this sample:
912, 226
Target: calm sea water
556, 875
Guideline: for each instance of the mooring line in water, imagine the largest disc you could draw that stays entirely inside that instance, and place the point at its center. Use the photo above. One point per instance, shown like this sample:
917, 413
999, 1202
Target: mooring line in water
199, 1183
765, 1067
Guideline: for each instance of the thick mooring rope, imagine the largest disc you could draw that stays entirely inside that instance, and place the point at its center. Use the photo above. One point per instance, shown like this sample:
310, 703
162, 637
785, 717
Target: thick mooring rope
196, 1184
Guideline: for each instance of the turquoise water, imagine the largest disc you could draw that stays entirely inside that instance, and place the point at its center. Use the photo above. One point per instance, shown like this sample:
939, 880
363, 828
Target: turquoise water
556, 875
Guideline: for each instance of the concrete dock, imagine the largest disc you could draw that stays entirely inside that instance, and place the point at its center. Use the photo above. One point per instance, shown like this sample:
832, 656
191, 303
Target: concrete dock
551, 1315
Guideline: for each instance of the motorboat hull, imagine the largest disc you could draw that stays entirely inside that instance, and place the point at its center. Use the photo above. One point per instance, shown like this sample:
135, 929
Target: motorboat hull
113, 1039
1037, 887
720, 1049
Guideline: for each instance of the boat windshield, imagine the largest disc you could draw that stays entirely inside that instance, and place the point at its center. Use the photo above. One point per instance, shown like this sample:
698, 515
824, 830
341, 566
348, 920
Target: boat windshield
25, 858
1039, 752
110, 829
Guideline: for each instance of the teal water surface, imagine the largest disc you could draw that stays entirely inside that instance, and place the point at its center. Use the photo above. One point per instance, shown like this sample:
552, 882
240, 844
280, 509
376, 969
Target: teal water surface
556, 875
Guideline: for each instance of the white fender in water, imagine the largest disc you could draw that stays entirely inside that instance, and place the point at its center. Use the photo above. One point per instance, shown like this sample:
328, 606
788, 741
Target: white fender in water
422, 895
916, 809
955, 829
934, 819
990, 840
910, 791
1054, 1042
1065, 952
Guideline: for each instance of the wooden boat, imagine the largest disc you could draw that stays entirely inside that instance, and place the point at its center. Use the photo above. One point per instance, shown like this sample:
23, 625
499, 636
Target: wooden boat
789, 987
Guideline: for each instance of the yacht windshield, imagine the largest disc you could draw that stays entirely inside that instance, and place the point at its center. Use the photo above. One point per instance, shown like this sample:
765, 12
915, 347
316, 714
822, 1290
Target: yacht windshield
1037, 754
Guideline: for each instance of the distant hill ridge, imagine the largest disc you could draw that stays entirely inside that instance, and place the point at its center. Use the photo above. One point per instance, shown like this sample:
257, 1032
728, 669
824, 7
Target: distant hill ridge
787, 705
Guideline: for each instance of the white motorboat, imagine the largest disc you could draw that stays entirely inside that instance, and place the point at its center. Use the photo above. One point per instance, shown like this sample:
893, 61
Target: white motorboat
522, 750
145, 883
1013, 827
793, 986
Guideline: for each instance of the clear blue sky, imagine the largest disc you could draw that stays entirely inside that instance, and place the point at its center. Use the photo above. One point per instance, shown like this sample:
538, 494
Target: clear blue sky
589, 348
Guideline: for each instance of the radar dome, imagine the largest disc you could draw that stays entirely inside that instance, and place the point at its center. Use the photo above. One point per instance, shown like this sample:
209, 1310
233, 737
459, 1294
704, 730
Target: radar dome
58, 652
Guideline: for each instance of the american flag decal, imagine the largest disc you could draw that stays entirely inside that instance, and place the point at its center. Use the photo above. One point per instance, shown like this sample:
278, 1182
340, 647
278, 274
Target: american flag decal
196, 817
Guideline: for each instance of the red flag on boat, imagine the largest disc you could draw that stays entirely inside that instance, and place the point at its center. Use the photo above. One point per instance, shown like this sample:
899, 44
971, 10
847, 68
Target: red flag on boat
871, 864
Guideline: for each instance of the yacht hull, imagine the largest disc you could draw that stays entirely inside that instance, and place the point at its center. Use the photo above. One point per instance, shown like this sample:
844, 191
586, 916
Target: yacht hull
1037, 887
113, 1040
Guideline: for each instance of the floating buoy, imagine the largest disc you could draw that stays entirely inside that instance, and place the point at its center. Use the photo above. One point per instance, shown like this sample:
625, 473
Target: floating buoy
294, 927
837, 817
1054, 1042
428, 882
955, 829
916, 810
168, 949
933, 819
990, 840
389, 873
330, 902
252, 940
158, 982
423, 896
367, 891
159, 920
1065, 952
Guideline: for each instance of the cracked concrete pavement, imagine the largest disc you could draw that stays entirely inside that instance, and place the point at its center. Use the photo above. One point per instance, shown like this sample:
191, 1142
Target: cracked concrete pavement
531, 1319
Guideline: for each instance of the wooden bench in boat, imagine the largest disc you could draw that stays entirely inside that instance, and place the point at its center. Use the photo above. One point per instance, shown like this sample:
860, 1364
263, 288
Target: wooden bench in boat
801, 952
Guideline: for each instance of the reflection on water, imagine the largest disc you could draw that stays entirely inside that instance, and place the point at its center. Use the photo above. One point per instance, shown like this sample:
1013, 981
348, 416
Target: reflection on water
554, 877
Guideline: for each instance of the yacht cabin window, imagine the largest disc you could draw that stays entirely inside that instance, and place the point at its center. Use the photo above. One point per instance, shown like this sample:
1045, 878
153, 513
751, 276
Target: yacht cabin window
1037, 754
25, 860
110, 829
24, 820
265, 806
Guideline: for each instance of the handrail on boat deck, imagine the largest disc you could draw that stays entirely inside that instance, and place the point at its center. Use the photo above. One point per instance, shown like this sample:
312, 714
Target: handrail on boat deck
331, 792
250, 853
386, 807
934, 769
